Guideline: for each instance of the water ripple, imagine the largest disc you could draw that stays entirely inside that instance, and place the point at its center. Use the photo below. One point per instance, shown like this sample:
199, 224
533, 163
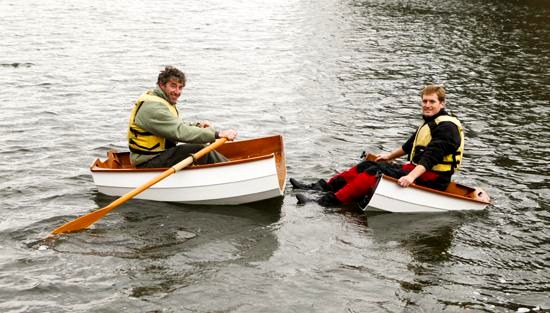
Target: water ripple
334, 78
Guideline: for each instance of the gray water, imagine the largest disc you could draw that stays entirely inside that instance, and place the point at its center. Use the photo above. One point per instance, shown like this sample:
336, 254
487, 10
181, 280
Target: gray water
334, 78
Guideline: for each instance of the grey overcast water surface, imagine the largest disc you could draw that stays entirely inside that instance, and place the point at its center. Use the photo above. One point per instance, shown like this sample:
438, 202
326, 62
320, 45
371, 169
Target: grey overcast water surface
334, 78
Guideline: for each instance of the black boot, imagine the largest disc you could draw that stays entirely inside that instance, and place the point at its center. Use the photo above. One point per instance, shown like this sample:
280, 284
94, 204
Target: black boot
320, 185
329, 199
302, 199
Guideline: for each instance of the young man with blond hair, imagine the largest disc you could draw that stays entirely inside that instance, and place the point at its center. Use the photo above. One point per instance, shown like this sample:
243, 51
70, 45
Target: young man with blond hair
434, 152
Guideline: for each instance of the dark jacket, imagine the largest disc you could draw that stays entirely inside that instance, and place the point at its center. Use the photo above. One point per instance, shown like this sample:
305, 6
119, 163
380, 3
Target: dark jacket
445, 140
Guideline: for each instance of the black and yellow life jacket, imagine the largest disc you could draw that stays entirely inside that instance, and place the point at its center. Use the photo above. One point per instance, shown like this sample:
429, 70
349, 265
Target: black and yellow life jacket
424, 136
144, 142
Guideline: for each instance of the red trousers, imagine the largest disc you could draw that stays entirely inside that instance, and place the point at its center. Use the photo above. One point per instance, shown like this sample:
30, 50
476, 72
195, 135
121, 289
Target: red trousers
359, 184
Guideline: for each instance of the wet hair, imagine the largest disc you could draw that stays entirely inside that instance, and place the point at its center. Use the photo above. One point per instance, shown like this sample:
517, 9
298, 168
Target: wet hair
439, 90
168, 72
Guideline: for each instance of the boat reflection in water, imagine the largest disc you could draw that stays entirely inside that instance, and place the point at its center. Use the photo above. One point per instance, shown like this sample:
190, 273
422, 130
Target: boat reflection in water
426, 240
144, 224
426, 236
180, 243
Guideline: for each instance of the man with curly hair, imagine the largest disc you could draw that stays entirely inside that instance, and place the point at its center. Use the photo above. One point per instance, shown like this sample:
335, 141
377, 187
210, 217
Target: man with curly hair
156, 128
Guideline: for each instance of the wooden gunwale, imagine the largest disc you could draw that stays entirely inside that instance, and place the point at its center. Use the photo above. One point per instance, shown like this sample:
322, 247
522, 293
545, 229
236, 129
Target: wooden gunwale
96, 166
238, 152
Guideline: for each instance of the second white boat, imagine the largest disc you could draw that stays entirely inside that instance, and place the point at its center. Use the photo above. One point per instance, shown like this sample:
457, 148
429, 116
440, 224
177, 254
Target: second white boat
391, 197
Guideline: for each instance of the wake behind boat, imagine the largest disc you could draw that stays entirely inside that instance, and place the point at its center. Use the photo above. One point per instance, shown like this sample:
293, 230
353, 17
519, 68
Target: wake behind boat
256, 171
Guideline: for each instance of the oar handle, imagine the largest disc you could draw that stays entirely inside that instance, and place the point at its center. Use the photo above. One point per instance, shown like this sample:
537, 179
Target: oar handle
188, 161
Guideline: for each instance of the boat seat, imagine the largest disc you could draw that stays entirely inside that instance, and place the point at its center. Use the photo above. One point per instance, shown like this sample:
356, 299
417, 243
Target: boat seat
112, 160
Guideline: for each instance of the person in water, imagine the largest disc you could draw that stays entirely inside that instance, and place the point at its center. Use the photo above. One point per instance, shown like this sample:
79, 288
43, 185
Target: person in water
434, 152
156, 128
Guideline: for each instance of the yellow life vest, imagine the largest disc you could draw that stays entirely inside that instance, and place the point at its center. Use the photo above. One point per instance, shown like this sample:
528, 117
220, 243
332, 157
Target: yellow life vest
424, 136
142, 141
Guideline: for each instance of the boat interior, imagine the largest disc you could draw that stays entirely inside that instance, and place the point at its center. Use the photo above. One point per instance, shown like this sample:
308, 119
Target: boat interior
236, 151
456, 190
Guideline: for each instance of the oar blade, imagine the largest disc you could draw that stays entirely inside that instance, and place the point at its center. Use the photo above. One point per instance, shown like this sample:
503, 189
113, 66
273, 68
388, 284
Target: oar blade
82, 222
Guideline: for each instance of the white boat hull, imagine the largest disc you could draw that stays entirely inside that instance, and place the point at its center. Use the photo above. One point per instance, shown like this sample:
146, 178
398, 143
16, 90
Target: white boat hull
232, 184
391, 197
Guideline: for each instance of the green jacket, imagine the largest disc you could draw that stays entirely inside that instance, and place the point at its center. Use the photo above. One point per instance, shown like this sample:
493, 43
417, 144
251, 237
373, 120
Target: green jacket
156, 118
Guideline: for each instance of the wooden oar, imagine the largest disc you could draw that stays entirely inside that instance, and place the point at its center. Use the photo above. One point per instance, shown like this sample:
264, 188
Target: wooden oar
88, 219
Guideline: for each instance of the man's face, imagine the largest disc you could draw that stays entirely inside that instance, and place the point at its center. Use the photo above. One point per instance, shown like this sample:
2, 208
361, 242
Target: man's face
431, 105
172, 89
